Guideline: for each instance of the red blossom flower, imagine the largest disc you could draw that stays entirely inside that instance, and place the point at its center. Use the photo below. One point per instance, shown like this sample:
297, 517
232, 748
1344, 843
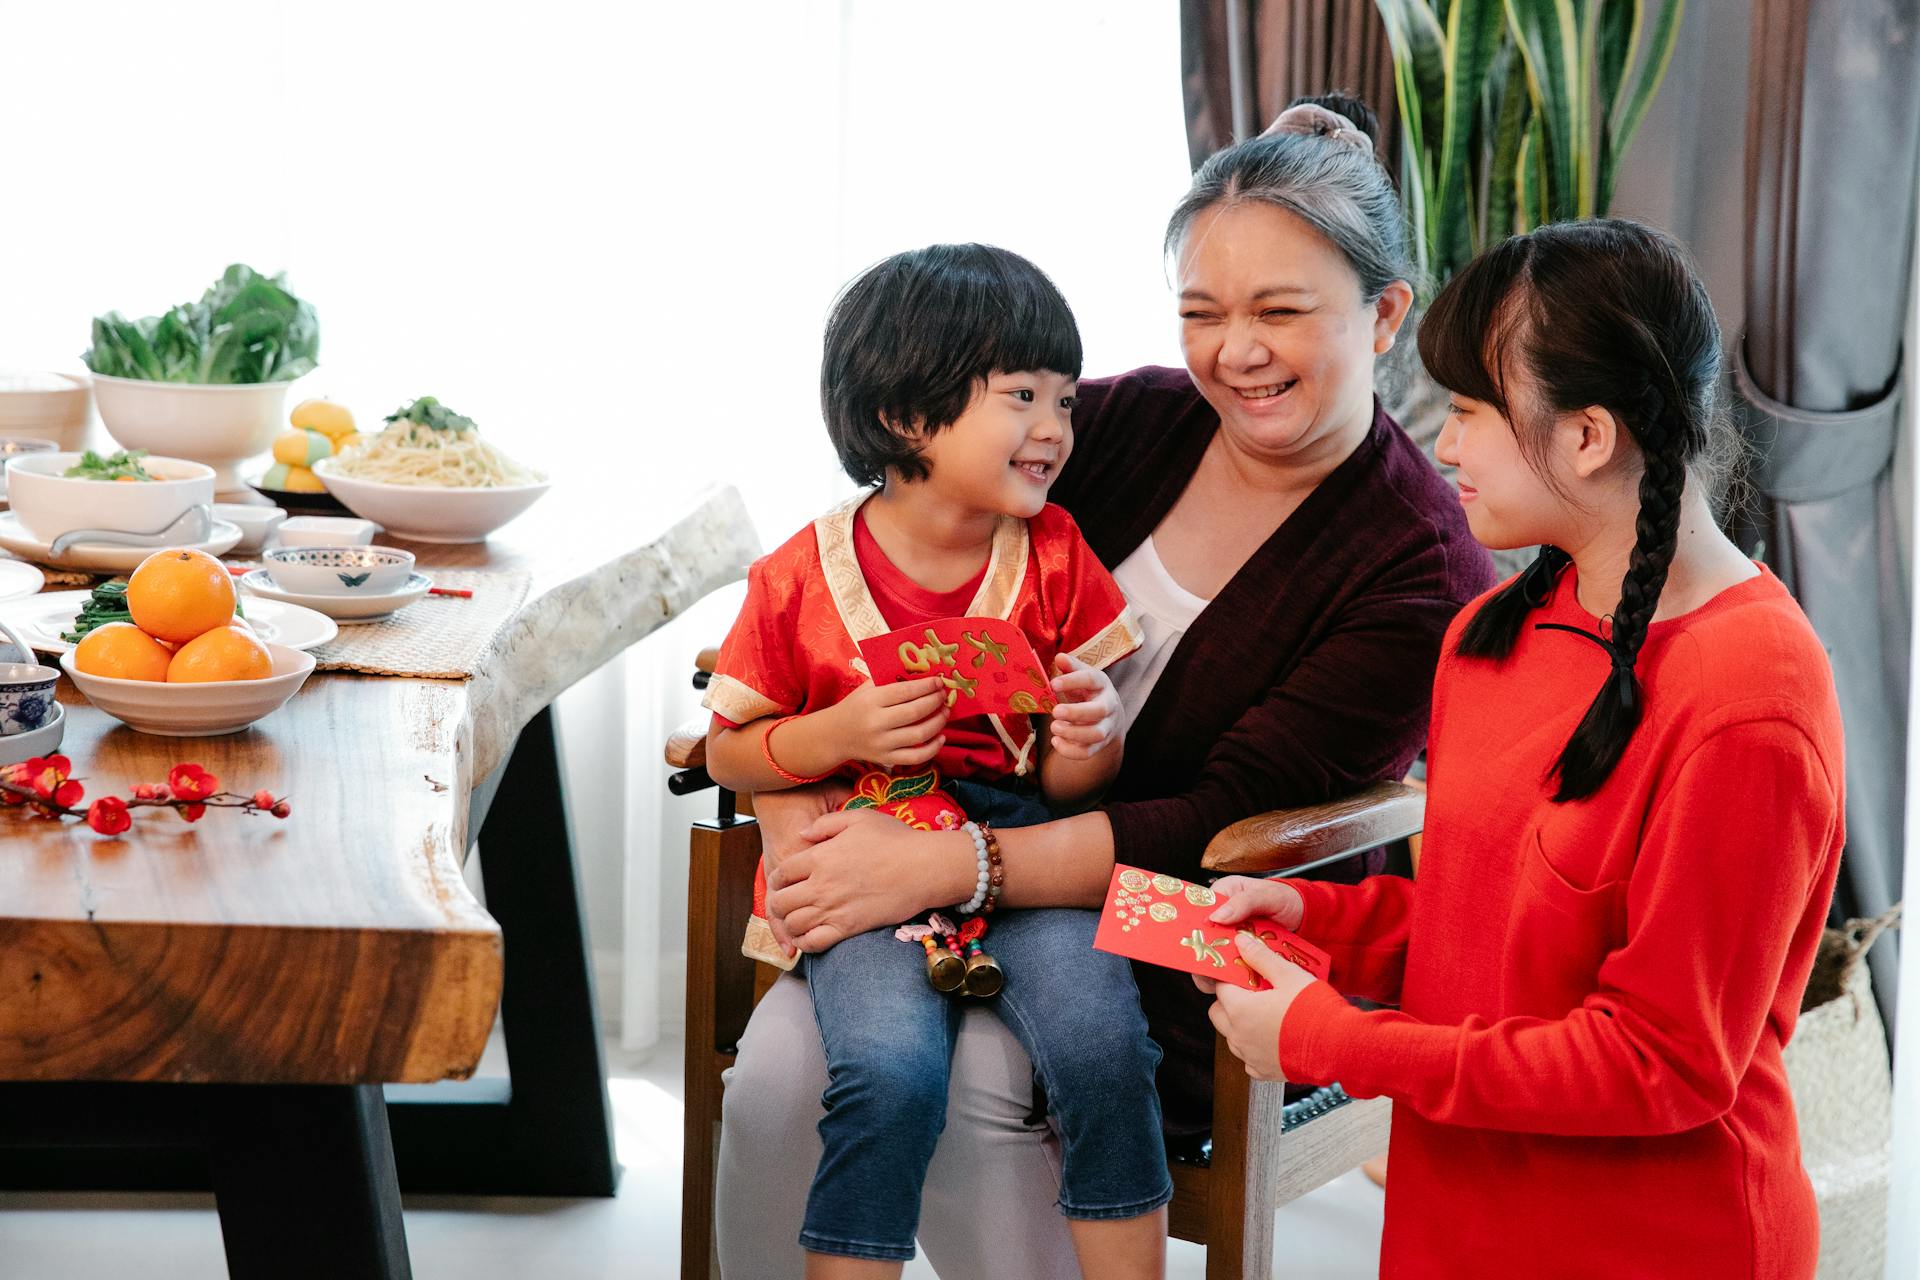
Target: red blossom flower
151, 791
44, 774
280, 809
108, 815
191, 782
263, 799
194, 812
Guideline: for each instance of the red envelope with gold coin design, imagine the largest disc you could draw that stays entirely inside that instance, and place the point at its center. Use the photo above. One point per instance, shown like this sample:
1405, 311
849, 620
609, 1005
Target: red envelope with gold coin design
1162, 920
987, 664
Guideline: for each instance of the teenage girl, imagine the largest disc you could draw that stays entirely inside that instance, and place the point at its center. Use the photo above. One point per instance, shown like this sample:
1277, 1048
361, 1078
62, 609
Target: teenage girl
1633, 825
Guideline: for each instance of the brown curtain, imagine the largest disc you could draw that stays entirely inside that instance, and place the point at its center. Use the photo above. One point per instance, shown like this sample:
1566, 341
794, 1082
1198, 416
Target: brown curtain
1242, 61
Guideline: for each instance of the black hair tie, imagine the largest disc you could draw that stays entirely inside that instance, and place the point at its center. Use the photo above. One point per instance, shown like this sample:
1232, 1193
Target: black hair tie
1625, 687
1536, 584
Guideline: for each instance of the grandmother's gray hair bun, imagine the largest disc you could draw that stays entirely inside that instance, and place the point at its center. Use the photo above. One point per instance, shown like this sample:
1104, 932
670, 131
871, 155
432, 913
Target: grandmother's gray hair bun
1311, 118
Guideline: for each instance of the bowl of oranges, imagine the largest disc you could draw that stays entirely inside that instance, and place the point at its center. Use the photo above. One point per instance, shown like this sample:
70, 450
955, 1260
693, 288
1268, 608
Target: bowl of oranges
186, 665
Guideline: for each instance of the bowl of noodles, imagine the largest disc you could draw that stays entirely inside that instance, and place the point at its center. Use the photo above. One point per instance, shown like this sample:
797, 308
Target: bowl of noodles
430, 476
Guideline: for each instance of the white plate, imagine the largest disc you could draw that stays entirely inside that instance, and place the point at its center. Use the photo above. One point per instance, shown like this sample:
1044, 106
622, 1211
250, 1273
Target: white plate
103, 557
19, 579
43, 618
347, 609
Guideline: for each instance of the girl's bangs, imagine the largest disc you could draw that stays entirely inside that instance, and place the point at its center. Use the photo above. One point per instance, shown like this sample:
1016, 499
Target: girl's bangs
1464, 334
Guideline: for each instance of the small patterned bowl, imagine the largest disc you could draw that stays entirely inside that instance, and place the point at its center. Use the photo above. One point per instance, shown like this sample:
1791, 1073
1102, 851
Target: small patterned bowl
26, 696
340, 571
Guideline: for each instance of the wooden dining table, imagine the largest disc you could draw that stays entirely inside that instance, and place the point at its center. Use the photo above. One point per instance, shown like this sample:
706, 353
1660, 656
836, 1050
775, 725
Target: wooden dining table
272, 1009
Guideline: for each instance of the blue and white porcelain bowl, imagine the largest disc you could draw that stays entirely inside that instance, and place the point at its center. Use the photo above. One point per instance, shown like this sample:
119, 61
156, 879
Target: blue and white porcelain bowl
340, 571
26, 696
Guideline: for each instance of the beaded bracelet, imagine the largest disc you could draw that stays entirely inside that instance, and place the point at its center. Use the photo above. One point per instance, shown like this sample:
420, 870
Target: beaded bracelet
982, 882
766, 749
996, 871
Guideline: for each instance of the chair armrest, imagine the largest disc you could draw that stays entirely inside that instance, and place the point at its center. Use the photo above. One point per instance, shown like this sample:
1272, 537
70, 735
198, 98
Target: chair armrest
687, 745
1299, 839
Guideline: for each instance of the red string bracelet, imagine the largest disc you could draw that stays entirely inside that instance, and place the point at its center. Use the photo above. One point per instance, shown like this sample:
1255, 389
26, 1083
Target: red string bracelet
766, 749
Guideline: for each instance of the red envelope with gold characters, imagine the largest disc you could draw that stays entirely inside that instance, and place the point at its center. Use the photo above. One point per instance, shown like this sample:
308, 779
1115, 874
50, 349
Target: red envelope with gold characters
1163, 920
987, 664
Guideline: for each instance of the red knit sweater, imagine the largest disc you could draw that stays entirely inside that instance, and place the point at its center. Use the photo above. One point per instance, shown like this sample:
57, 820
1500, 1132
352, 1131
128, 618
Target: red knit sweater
1593, 996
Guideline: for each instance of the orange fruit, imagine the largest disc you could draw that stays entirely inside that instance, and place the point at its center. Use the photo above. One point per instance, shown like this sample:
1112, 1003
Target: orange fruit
175, 595
223, 653
123, 651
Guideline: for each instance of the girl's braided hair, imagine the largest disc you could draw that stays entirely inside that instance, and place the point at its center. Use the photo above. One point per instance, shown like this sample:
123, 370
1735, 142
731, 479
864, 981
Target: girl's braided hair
1604, 313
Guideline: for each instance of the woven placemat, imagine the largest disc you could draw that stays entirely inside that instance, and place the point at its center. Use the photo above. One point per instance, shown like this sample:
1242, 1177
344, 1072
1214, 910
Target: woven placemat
440, 638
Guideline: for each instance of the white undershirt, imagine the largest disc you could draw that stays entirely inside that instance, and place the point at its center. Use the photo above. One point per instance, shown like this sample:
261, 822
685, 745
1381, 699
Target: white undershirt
1165, 610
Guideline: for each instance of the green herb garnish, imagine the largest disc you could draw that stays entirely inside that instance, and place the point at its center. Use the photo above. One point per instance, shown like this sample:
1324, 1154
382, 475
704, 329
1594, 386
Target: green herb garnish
429, 412
124, 465
108, 603
246, 328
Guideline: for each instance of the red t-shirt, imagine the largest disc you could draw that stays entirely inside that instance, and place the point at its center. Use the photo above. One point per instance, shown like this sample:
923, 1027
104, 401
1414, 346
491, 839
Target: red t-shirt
795, 646
1586, 1061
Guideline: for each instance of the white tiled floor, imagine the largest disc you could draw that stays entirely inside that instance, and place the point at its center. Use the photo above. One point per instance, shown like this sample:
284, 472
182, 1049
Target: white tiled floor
1333, 1234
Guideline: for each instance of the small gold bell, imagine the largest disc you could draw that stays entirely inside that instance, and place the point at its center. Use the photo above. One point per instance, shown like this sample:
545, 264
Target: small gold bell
945, 970
984, 977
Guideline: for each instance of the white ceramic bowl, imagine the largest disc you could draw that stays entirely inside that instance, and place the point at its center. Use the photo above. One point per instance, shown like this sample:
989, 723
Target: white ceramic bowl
327, 531
340, 571
428, 513
44, 406
26, 696
221, 426
48, 504
256, 524
195, 710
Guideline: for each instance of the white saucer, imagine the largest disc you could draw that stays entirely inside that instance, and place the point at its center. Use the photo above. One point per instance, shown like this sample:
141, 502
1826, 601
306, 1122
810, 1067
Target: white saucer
42, 619
347, 609
19, 579
36, 742
103, 557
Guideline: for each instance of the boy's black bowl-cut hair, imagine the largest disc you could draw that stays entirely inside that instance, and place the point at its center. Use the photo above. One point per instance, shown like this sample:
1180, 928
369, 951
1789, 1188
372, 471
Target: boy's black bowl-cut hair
911, 338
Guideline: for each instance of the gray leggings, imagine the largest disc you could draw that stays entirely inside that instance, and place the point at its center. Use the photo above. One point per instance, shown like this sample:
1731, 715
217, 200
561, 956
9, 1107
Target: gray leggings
988, 1208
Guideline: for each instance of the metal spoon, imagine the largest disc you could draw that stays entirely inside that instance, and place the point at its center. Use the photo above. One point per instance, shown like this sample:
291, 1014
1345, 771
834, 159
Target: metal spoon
193, 525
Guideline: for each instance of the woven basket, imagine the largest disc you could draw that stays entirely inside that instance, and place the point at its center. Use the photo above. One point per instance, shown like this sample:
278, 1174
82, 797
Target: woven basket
1843, 1091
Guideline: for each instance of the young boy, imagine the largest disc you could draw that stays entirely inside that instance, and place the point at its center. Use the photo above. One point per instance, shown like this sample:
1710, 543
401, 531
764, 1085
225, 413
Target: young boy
948, 384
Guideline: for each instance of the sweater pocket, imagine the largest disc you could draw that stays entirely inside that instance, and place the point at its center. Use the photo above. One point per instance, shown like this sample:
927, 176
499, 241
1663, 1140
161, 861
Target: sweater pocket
1558, 933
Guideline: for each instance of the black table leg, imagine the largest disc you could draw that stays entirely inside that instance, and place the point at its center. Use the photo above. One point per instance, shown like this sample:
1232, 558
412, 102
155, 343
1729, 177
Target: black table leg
548, 1130
303, 1177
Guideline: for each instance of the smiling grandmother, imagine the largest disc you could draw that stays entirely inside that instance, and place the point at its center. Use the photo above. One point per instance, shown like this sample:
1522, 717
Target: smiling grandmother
1294, 561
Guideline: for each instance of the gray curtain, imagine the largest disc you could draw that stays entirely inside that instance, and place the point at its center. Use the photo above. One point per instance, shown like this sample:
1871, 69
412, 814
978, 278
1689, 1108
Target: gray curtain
1833, 145
1243, 61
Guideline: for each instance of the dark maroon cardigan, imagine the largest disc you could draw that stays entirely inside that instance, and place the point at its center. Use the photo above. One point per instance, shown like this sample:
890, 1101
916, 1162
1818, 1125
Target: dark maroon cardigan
1307, 677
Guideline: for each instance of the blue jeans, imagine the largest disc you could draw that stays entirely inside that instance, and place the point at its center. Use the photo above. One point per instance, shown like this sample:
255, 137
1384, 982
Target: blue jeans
889, 1035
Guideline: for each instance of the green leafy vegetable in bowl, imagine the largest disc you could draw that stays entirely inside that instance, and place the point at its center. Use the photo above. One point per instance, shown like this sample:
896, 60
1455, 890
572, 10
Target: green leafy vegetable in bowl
246, 328
124, 465
108, 603
429, 412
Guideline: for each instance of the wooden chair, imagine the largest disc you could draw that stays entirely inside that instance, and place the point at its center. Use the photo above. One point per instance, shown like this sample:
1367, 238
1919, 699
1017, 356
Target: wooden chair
1264, 1152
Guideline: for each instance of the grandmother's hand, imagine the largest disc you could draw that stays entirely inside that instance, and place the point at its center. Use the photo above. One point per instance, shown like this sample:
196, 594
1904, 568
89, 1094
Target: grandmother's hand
861, 870
1250, 1021
784, 816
